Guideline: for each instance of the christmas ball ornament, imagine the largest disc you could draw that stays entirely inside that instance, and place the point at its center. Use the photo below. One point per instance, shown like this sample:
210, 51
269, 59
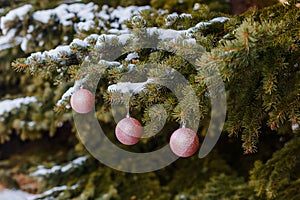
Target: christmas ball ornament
129, 131
82, 101
184, 142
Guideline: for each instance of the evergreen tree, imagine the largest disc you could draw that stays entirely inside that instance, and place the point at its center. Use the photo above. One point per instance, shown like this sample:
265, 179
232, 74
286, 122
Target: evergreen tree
55, 52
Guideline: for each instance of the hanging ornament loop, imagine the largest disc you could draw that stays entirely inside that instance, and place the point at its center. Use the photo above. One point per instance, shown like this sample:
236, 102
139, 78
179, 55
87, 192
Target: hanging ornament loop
183, 122
126, 100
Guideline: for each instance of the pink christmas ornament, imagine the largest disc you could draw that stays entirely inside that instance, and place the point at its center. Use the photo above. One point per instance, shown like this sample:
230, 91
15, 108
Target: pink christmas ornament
184, 142
82, 101
129, 131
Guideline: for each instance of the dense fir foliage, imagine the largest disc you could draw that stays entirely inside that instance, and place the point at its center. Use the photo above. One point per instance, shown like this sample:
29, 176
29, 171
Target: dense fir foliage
257, 54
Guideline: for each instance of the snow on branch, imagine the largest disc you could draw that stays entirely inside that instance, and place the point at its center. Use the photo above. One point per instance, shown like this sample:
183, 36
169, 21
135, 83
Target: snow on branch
43, 171
70, 91
128, 87
51, 191
12, 15
65, 13
9, 105
82, 17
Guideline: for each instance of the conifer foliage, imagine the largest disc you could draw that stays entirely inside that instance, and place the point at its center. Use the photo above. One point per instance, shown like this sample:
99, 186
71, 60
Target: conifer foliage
49, 53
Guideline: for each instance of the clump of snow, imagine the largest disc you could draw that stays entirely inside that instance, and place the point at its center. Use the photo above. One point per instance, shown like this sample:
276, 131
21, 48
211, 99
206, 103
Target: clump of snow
9, 105
204, 24
86, 26
185, 15
171, 18
12, 15
51, 191
131, 56
9, 40
79, 43
109, 63
43, 171
91, 38
117, 17
196, 6
124, 38
31, 124
7, 194
162, 12
124, 13
30, 29
65, 13
54, 54
295, 127
105, 38
167, 34
25, 42
88, 13
219, 19
129, 88
77, 162
110, 20
43, 16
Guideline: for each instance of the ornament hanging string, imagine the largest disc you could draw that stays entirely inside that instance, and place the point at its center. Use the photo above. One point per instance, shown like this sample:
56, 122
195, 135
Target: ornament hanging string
126, 99
183, 122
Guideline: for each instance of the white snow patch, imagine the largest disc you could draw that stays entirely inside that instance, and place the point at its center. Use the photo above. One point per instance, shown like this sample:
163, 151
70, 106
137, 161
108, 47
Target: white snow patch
30, 29
109, 63
79, 42
55, 53
219, 19
77, 162
105, 38
9, 105
7, 194
86, 26
196, 6
65, 13
51, 191
167, 34
124, 13
204, 24
25, 42
185, 15
12, 15
171, 18
43, 15
52, 54
295, 126
9, 40
128, 87
131, 56
124, 38
43, 171
103, 14
92, 37
31, 124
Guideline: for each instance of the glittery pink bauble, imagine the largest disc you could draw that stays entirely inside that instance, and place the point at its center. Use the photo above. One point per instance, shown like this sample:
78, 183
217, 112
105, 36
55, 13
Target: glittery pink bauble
82, 101
129, 131
184, 142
